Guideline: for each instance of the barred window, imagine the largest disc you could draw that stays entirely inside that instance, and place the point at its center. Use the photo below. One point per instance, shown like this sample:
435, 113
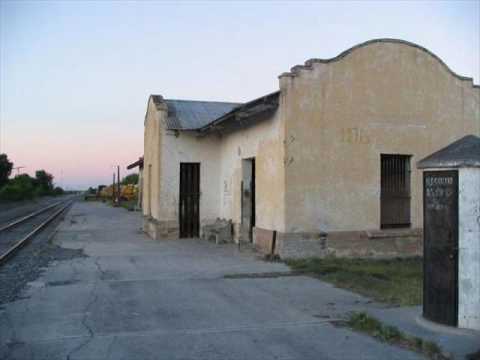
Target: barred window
395, 191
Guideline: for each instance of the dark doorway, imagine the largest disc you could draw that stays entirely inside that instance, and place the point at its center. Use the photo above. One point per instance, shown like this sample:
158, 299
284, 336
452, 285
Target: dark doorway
248, 199
395, 191
189, 211
440, 211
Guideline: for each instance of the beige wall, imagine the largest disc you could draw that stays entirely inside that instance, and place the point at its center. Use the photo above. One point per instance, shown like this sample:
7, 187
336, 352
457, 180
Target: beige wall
187, 147
318, 156
390, 98
152, 154
220, 157
264, 142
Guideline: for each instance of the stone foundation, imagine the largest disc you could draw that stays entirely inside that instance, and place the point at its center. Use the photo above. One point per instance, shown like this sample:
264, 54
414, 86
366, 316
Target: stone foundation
220, 231
300, 245
160, 230
264, 240
367, 244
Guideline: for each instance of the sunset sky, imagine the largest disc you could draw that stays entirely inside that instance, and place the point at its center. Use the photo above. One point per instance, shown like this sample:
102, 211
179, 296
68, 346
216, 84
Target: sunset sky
75, 76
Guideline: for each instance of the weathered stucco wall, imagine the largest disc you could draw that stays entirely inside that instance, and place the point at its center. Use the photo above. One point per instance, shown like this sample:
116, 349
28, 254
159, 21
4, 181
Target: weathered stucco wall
318, 156
163, 153
469, 248
220, 157
152, 153
187, 147
380, 98
264, 142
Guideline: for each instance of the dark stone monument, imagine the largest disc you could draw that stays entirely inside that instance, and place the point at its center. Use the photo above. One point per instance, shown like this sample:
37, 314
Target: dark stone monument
451, 217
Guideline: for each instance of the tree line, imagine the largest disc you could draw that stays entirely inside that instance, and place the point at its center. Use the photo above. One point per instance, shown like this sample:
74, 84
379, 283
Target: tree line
23, 186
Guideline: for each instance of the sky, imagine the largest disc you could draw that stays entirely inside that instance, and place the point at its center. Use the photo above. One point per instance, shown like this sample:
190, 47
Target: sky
75, 76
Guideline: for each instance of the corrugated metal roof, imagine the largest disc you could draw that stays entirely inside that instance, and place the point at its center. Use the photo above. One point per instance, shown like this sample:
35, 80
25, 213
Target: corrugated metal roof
192, 115
462, 153
249, 109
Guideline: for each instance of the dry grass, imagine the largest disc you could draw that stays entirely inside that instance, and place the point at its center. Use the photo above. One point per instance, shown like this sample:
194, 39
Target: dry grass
396, 281
362, 322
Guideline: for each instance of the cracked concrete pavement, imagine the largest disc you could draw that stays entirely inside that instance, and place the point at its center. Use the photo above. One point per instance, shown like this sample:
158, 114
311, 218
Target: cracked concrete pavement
135, 298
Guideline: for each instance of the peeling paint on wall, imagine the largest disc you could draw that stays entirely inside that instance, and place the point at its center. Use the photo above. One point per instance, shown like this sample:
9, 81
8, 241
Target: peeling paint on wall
382, 98
469, 248
318, 156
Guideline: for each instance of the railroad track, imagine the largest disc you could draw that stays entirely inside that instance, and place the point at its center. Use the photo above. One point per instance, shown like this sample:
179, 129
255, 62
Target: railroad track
17, 233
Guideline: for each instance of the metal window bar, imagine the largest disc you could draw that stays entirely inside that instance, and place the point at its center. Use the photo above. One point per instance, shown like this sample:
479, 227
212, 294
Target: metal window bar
395, 191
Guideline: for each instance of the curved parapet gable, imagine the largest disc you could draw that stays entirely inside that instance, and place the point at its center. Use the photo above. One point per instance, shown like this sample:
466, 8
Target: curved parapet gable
295, 70
382, 97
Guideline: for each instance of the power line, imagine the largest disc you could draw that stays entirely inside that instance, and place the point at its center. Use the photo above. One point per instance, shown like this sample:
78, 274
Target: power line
18, 169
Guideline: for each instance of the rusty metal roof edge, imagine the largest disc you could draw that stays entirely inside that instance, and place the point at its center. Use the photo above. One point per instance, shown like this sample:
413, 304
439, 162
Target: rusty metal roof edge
159, 101
204, 101
235, 110
194, 114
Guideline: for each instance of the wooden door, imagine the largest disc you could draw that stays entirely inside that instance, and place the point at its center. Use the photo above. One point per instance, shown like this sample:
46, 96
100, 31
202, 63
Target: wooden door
189, 212
440, 207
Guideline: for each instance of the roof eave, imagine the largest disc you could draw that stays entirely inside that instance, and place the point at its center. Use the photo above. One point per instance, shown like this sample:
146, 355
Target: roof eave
464, 152
264, 104
138, 163
447, 164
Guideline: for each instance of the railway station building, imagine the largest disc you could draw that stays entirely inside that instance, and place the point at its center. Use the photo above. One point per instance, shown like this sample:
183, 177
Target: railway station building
325, 165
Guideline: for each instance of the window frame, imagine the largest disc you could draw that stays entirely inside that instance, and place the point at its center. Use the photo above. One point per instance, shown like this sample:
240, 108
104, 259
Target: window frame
395, 191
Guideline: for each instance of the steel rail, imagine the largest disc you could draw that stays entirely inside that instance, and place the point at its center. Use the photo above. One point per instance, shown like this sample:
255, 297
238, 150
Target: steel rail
29, 236
29, 216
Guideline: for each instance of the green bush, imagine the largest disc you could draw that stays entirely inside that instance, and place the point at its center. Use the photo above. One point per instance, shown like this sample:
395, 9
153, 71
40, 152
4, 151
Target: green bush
20, 188
58, 191
130, 179
43, 182
10, 192
23, 187
41, 191
5, 169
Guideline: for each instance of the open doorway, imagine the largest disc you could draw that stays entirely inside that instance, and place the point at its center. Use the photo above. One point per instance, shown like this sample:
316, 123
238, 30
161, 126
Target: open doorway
248, 199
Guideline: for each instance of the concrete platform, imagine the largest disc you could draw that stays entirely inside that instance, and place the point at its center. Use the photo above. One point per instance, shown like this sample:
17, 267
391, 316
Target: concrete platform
136, 298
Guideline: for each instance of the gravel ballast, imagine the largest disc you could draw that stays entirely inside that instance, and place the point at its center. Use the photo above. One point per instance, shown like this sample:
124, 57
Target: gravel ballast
30, 261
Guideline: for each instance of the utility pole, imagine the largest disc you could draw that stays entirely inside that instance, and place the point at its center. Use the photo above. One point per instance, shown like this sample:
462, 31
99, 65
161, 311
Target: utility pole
18, 169
118, 182
113, 189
